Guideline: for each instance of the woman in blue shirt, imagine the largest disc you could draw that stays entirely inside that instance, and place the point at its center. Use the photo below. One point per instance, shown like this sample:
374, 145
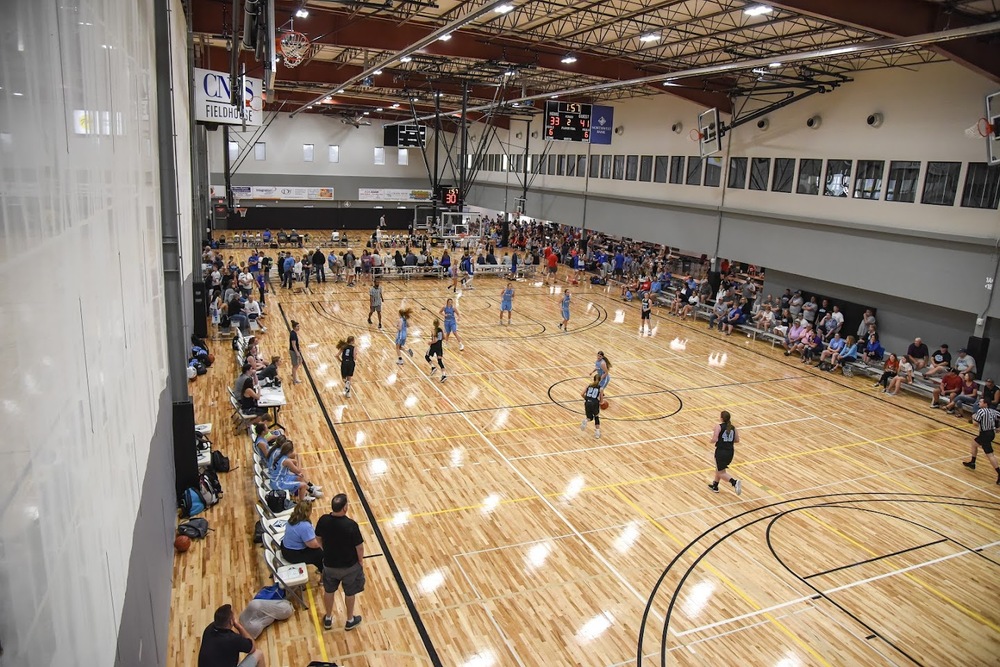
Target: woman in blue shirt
299, 545
845, 356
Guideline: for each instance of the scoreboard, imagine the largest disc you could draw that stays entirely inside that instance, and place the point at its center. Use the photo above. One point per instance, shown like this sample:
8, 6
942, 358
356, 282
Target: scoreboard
405, 136
449, 196
567, 121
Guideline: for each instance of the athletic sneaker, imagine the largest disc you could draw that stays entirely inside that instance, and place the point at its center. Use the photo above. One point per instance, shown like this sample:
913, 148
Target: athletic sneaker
971, 465
369, 320
353, 623
597, 433
400, 361
347, 392
327, 622
583, 425
434, 370
409, 352
739, 487
560, 325
713, 488
461, 346
443, 378
380, 327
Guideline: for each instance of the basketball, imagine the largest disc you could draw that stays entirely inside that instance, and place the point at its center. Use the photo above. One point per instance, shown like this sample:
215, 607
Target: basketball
182, 543
604, 405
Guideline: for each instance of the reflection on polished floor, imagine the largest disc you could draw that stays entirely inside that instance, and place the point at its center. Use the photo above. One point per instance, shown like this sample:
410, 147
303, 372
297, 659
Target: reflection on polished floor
518, 539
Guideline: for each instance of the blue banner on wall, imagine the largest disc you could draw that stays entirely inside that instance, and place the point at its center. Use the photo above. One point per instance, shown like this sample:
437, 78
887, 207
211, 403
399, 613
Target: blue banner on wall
602, 124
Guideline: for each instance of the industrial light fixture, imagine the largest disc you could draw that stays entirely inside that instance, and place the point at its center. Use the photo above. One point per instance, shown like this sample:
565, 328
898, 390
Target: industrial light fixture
569, 59
509, 72
670, 83
758, 10
340, 92
650, 37
396, 105
309, 107
377, 72
553, 97
444, 38
302, 13
366, 113
774, 65
327, 99
503, 9
405, 59
379, 109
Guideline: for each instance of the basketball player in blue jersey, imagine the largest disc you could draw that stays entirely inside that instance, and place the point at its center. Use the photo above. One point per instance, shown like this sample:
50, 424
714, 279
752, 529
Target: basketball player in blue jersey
506, 303
450, 314
725, 437
592, 396
564, 304
436, 349
647, 306
346, 356
602, 371
404, 321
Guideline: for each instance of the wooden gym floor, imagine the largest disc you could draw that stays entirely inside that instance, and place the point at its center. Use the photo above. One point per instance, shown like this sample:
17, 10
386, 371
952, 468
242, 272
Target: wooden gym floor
506, 536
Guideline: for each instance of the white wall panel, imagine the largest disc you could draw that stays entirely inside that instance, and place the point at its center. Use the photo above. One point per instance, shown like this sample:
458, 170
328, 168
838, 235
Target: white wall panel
81, 319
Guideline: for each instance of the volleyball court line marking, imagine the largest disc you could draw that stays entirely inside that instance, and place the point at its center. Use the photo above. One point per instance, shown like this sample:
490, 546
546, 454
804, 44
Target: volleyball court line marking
542, 497
838, 589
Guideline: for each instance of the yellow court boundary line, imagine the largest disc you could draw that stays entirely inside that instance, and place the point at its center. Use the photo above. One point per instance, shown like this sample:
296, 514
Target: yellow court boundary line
727, 582
316, 625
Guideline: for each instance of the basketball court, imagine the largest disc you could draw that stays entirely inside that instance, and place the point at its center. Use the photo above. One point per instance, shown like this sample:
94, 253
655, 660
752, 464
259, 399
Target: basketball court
499, 533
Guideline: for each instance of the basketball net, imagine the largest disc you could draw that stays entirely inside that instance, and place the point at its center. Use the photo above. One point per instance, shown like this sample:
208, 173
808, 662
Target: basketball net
294, 46
981, 130
242, 212
695, 135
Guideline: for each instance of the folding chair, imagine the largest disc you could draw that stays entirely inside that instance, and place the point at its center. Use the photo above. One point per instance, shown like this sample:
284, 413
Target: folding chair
273, 545
274, 527
261, 496
290, 577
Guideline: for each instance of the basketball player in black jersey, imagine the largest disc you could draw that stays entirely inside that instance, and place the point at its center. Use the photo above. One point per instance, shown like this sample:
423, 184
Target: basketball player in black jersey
725, 437
345, 354
592, 397
437, 349
647, 307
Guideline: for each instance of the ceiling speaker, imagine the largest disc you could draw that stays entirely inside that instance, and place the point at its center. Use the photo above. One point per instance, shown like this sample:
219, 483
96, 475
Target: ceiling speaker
813, 122
763, 124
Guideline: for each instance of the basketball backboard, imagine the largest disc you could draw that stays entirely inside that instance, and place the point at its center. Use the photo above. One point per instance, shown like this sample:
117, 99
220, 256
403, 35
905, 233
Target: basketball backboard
709, 133
270, 55
993, 128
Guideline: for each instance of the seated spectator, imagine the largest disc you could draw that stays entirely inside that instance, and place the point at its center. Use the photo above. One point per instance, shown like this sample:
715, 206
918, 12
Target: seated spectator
299, 544
873, 349
690, 308
835, 346
904, 373
722, 304
249, 394
793, 334
845, 356
491, 258
411, 259
236, 315
735, 317
799, 346
950, 387
963, 363
254, 312
917, 354
764, 319
828, 327
888, 371
990, 393
940, 362
838, 317
968, 396
225, 639
812, 346
680, 300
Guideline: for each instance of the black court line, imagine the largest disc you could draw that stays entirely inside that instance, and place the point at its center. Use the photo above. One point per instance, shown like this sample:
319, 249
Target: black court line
425, 638
874, 559
581, 380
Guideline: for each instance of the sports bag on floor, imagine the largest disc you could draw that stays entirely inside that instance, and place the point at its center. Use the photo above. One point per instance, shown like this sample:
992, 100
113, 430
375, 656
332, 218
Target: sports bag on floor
191, 503
196, 529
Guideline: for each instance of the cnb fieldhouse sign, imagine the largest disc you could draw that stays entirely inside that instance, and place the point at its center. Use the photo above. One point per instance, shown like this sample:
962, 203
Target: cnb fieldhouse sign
212, 94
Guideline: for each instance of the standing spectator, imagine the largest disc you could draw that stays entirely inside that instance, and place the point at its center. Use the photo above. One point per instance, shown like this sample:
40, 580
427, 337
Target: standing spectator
319, 263
940, 361
795, 304
917, 354
823, 310
987, 419
867, 320
289, 268
809, 310
343, 560
295, 352
950, 387
223, 641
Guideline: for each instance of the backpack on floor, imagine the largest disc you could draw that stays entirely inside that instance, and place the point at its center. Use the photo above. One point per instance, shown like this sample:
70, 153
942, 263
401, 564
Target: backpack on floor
191, 503
210, 487
196, 529
220, 462
258, 533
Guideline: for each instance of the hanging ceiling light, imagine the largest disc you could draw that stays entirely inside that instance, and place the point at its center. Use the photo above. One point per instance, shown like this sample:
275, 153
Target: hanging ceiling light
569, 59
758, 10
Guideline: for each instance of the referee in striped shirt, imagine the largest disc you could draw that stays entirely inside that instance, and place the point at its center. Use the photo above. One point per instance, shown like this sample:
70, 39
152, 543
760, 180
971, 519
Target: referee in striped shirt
987, 418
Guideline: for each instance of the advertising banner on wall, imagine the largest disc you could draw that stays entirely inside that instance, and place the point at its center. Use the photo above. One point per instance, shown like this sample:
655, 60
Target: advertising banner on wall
212, 95
273, 192
391, 194
602, 124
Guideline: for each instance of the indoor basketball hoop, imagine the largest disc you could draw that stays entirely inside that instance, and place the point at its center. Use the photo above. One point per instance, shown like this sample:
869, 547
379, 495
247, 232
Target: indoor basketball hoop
983, 129
695, 135
294, 46
242, 211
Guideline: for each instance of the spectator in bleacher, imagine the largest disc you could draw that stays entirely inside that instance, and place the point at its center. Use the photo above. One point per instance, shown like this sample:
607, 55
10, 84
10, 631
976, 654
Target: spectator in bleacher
236, 314
749, 291
812, 346
904, 373
619, 265
888, 371
254, 312
270, 372
809, 309
764, 319
835, 346
845, 356
786, 299
940, 362
828, 327
799, 344
225, 639
917, 354
964, 363
410, 259
990, 393
867, 325
873, 349
299, 543
704, 291
735, 317
950, 387
968, 396
839, 318
823, 310
795, 304
793, 335
690, 308
719, 311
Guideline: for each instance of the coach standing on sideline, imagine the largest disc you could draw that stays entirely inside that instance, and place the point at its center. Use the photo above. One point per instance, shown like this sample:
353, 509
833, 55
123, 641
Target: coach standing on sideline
343, 559
319, 263
987, 418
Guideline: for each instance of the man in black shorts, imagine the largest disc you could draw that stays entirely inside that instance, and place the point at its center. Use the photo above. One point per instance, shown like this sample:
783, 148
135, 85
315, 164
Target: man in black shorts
343, 559
224, 640
987, 418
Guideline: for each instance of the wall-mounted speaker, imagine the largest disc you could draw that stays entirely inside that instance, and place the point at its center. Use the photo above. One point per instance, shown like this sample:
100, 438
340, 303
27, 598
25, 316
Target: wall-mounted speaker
677, 127
763, 124
534, 135
620, 130
519, 135
874, 119
813, 122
